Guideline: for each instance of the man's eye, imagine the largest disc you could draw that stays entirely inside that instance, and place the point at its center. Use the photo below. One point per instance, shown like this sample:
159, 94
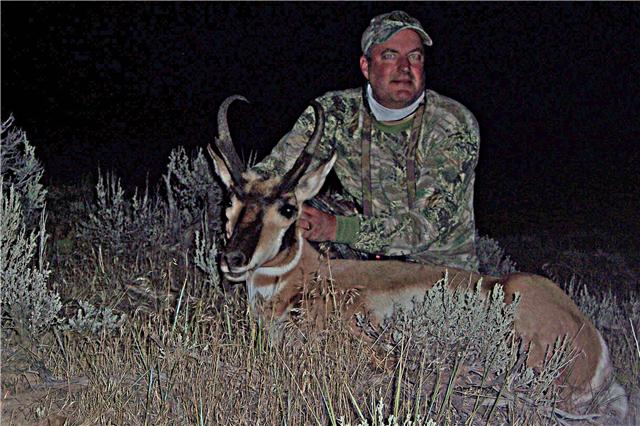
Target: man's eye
288, 211
416, 58
388, 55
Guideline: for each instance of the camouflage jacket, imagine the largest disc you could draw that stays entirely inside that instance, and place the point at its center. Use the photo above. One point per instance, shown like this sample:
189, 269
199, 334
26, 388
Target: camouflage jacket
440, 227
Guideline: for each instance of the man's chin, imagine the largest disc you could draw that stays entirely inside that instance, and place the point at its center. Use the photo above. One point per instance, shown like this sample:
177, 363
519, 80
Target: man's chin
404, 98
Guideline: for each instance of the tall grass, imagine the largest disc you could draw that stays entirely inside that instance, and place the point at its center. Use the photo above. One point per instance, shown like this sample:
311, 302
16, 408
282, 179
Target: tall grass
147, 333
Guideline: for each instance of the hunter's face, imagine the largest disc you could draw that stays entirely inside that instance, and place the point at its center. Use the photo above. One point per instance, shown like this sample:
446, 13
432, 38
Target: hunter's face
396, 69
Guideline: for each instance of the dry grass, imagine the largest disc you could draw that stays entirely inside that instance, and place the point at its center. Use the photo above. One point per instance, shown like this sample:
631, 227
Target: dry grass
191, 353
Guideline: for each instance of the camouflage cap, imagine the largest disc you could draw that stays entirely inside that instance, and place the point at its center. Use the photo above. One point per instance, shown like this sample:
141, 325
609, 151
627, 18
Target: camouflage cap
383, 27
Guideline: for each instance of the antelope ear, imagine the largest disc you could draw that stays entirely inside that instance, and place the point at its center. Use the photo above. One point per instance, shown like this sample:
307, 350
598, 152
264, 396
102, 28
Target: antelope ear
221, 168
310, 184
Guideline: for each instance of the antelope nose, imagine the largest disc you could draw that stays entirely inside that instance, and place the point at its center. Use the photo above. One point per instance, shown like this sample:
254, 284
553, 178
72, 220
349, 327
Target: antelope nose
235, 259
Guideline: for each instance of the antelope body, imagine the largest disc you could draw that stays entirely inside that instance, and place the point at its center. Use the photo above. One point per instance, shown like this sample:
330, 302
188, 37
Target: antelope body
266, 249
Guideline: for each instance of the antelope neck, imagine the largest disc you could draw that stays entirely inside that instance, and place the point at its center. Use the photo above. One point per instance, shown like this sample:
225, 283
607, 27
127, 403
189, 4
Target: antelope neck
277, 270
270, 282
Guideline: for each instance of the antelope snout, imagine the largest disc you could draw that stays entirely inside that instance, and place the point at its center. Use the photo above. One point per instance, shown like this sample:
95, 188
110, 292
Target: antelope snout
235, 259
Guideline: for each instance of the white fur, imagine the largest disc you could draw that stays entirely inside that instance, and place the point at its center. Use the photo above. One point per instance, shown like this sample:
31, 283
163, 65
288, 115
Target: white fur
262, 256
603, 385
267, 292
274, 271
614, 397
604, 365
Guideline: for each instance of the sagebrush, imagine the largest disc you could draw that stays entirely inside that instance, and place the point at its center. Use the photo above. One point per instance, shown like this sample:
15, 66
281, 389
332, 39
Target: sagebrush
141, 320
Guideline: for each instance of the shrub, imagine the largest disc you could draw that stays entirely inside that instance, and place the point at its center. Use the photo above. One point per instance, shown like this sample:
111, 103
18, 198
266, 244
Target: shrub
90, 319
119, 225
22, 170
617, 317
597, 268
192, 194
206, 257
492, 257
135, 224
27, 304
379, 419
459, 349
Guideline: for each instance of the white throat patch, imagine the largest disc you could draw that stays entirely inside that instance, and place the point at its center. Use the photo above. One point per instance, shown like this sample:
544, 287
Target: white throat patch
274, 271
267, 292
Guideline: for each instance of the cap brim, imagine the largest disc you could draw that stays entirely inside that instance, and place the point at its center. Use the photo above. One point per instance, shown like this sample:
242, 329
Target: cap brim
425, 37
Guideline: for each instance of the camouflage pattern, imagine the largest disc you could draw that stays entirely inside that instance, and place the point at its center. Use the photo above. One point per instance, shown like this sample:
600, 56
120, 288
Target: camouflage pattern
440, 228
383, 27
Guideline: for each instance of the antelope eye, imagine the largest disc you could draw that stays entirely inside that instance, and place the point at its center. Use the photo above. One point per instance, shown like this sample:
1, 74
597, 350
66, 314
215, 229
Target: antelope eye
288, 211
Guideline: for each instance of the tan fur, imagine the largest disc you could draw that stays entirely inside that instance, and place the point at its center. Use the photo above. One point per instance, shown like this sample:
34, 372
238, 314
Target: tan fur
279, 279
259, 186
545, 312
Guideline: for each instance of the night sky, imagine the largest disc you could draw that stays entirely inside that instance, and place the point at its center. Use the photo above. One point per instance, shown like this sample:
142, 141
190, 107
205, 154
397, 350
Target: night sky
554, 86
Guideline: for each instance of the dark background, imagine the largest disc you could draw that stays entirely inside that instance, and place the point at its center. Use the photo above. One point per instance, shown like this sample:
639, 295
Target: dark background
555, 88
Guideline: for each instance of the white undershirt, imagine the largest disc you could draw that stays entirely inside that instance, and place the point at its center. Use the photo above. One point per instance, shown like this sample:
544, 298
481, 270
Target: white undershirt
382, 113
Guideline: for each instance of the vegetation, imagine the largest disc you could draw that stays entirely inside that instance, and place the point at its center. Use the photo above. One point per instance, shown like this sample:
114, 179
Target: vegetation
113, 312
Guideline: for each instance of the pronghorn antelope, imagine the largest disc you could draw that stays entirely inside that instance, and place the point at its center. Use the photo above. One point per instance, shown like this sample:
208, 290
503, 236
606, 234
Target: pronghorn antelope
266, 249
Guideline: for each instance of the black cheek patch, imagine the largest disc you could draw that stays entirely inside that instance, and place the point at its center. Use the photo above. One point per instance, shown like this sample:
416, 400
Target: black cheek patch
246, 235
289, 238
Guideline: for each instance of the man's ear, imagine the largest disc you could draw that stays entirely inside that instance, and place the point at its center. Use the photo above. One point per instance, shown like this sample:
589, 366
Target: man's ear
221, 169
310, 184
364, 66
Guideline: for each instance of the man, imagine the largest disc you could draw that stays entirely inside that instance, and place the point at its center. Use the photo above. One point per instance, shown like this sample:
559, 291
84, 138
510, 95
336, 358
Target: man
406, 155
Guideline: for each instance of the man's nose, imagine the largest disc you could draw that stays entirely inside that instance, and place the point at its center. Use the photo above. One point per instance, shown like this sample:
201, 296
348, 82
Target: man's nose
404, 65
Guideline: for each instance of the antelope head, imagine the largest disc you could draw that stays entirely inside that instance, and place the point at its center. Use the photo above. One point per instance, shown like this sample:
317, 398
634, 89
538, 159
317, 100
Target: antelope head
261, 229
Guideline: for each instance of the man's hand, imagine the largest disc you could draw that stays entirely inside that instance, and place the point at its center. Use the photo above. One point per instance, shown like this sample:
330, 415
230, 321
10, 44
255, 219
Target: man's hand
317, 225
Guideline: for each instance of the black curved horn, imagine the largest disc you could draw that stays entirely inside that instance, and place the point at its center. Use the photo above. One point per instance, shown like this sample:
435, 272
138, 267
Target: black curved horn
225, 144
299, 168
